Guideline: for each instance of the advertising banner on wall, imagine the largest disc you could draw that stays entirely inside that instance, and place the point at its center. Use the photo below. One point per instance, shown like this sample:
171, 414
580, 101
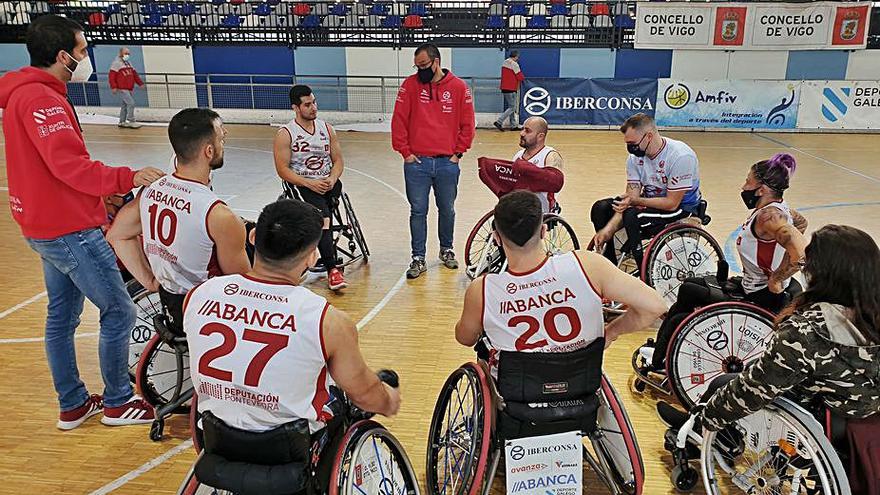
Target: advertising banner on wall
587, 101
839, 105
752, 26
739, 104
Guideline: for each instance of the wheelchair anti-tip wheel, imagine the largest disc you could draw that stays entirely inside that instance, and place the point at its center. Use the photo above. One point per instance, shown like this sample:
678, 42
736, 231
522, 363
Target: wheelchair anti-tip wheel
148, 305
679, 252
779, 449
371, 460
460, 437
714, 340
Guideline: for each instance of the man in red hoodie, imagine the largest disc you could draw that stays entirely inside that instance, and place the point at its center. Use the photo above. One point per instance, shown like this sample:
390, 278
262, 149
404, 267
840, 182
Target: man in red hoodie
122, 79
55, 193
432, 127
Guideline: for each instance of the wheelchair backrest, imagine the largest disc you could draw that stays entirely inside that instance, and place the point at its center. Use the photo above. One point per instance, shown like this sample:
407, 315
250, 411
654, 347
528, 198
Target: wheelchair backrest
284, 444
550, 377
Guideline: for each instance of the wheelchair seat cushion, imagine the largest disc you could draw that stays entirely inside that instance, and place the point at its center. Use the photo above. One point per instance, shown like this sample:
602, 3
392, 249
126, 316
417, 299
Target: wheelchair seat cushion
288, 443
251, 479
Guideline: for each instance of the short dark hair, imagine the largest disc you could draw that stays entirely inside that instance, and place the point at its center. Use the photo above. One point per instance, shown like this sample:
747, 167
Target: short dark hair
49, 34
638, 121
430, 48
286, 230
518, 216
190, 129
514, 53
297, 92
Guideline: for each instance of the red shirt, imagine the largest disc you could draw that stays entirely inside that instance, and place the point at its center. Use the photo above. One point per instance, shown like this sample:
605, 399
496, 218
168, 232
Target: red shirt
55, 188
433, 119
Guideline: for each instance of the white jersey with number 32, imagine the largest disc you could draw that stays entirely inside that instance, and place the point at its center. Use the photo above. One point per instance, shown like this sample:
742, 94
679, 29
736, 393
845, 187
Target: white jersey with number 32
174, 223
257, 352
553, 308
310, 151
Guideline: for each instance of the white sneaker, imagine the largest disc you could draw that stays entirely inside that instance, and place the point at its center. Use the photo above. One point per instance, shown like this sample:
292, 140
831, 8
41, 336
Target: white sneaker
134, 125
647, 353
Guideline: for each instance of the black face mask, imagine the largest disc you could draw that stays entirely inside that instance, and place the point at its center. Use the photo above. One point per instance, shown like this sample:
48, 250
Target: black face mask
750, 198
633, 148
426, 74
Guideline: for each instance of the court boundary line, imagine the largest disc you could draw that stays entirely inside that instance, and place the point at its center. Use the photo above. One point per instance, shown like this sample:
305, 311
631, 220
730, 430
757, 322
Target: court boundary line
825, 160
367, 318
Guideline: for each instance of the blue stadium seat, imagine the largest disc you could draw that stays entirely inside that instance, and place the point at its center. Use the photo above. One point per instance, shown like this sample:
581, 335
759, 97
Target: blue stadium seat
310, 22
339, 9
263, 9
517, 9
418, 9
218, 2
378, 9
392, 21
273, 2
187, 9
578, 1
231, 21
113, 8
557, 9
495, 22
624, 21
148, 8
537, 22
153, 20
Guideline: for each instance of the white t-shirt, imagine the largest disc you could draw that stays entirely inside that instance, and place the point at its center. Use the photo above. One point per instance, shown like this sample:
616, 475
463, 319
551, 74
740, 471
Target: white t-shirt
675, 168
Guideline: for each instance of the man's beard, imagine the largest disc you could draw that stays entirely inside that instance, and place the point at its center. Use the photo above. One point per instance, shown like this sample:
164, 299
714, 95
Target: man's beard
525, 144
217, 164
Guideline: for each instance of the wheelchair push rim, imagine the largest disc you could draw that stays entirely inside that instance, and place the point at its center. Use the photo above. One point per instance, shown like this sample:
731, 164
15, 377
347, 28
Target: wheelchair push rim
717, 339
148, 305
159, 379
371, 460
615, 444
460, 437
560, 237
679, 252
479, 239
779, 449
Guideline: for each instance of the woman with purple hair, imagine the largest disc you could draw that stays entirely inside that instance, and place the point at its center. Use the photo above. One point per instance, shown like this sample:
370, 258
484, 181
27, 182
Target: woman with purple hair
770, 245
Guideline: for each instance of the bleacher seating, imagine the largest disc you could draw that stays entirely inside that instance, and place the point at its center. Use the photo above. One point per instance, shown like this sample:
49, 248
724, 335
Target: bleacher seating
517, 21
537, 22
559, 21
517, 9
495, 22
413, 21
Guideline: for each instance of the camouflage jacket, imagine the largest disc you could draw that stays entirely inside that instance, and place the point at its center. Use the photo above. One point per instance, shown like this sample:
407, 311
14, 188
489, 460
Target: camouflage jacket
815, 353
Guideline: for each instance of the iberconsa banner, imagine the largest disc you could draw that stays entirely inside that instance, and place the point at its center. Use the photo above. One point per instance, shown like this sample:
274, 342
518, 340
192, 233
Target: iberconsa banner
739, 104
587, 101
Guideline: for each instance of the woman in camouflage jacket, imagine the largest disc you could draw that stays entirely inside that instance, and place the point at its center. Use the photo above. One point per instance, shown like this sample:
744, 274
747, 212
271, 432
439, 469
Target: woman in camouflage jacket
827, 344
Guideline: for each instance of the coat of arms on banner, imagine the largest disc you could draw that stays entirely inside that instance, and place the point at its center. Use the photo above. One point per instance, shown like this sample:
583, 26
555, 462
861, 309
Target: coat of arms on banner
850, 25
730, 26
835, 103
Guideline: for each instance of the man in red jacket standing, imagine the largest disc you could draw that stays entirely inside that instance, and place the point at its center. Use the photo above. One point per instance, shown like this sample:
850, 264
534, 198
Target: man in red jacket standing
511, 77
123, 77
432, 127
55, 193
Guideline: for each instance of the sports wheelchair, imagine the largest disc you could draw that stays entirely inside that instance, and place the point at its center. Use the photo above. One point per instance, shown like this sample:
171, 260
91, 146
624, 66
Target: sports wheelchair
348, 237
681, 250
352, 454
713, 340
471, 420
779, 449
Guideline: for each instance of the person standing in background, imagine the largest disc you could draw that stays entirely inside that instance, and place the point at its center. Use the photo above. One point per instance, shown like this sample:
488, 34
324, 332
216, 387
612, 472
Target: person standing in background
511, 77
123, 77
432, 127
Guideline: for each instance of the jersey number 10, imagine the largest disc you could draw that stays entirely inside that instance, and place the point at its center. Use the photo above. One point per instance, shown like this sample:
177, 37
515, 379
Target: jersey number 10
158, 223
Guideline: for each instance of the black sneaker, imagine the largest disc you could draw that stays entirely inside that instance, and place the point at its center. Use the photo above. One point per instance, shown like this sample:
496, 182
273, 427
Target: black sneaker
416, 268
498, 126
448, 259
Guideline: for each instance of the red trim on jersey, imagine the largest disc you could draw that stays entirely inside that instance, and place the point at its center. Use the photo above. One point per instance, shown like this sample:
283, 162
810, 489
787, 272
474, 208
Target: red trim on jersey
213, 268
321, 331
321, 395
304, 129
208, 214
483, 305
188, 295
662, 147
536, 154
533, 270
766, 250
270, 282
578, 258
185, 179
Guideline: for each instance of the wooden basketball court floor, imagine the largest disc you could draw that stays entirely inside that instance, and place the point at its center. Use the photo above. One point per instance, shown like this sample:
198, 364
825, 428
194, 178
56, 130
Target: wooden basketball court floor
405, 325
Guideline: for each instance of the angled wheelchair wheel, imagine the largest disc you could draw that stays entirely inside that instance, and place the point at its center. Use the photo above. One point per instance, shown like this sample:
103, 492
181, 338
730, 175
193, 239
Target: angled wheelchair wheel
460, 439
717, 339
678, 252
355, 226
560, 236
371, 460
163, 373
615, 445
779, 449
479, 239
148, 305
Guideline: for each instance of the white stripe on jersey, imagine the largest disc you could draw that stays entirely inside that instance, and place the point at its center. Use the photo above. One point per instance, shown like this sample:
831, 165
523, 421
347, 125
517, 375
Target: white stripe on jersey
760, 258
174, 223
310, 152
553, 308
548, 200
257, 353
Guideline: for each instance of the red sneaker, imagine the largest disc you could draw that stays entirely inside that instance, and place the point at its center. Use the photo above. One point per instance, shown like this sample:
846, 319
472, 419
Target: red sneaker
336, 280
134, 412
69, 420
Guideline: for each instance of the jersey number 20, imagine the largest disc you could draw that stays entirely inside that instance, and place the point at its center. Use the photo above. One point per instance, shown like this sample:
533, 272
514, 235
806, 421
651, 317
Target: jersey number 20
522, 342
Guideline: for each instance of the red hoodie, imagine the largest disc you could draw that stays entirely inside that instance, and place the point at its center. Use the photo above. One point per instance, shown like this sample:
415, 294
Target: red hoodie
54, 187
433, 119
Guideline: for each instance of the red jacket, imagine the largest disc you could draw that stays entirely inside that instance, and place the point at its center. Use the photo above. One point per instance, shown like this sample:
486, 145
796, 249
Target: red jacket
503, 176
511, 75
54, 187
433, 119
123, 75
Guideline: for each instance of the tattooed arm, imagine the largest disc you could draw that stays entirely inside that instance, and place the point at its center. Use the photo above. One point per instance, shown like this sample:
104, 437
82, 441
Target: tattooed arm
554, 159
772, 224
799, 221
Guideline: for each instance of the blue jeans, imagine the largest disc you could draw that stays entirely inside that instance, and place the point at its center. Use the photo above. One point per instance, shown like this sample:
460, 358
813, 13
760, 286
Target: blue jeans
442, 174
510, 107
76, 265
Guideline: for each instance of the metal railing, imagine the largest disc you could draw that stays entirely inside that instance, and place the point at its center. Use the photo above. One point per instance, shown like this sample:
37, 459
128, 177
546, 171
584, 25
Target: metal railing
368, 94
